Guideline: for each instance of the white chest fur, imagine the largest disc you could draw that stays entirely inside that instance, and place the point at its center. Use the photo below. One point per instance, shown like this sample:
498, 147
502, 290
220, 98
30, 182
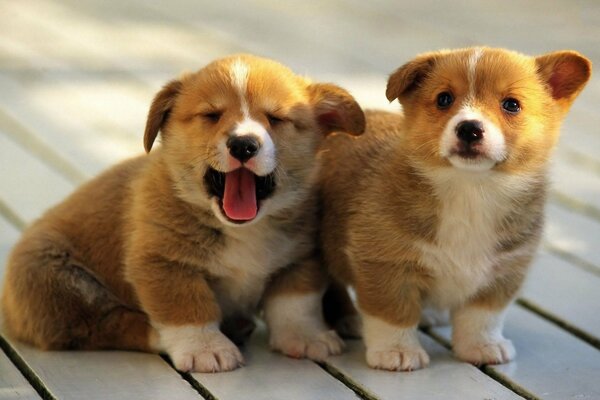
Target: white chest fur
471, 206
242, 269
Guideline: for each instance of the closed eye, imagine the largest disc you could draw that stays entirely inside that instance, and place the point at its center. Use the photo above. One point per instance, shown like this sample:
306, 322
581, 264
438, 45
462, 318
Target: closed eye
274, 120
212, 116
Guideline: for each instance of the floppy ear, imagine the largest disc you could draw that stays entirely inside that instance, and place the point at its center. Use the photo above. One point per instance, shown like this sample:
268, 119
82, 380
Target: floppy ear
565, 73
408, 77
336, 109
159, 111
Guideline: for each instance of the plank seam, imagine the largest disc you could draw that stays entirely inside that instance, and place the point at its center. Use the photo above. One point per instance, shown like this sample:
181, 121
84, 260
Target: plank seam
555, 320
186, 376
485, 369
12, 217
572, 259
351, 384
575, 205
583, 160
25, 370
28, 140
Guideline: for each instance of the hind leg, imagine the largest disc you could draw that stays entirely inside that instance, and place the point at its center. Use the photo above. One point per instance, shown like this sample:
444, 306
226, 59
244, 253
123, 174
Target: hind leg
53, 302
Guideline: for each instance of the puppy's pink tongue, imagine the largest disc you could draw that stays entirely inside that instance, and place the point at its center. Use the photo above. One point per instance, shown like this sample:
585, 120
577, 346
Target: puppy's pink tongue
239, 200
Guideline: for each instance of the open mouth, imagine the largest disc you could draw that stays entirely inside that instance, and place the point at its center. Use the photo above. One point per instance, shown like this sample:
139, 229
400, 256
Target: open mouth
240, 192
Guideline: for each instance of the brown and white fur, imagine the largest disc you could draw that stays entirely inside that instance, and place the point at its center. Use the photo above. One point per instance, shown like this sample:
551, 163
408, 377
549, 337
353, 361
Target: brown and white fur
442, 206
153, 256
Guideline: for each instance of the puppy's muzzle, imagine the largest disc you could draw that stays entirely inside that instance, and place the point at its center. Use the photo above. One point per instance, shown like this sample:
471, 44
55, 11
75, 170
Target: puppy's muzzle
243, 148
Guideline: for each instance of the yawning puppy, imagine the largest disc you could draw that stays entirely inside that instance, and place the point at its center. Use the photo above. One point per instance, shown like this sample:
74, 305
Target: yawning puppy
160, 251
443, 206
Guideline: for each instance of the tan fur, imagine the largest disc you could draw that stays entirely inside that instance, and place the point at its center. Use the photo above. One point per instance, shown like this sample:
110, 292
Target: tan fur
389, 196
140, 247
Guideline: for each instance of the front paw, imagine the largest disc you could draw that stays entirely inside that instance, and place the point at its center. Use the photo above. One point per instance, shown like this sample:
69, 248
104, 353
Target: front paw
492, 352
200, 349
397, 359
297, 343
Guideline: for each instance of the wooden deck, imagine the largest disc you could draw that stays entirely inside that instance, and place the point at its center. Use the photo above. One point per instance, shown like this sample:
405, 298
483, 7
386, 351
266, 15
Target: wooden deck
76, 79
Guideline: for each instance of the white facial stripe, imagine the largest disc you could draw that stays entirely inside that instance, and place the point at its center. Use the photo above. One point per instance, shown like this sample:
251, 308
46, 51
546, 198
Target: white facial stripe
492, 147
264, 162
473, 59
239, 78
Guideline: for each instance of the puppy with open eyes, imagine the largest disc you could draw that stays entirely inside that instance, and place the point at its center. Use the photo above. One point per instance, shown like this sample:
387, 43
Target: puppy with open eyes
163, 251
442, 206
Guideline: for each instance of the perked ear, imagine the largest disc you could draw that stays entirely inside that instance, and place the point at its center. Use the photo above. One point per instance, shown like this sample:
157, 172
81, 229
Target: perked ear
336, 109
408, 77
565, 73
159, 111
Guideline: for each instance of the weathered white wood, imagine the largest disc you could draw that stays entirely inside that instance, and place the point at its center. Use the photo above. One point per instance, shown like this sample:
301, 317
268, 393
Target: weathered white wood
105, 375
8, 236
445, 378
567, 292
28, 185
575, 181
573, 233
150, 45
68, 123
12, 383
550, 362
268, 375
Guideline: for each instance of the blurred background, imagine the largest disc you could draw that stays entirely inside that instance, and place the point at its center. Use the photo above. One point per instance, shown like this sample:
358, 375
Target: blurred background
87, 69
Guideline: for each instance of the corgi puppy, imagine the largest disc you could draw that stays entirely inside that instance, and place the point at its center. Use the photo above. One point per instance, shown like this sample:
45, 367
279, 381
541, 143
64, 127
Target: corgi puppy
442, 206
164, 251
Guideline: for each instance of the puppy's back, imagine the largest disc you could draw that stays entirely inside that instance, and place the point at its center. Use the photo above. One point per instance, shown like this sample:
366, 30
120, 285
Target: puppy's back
348, 166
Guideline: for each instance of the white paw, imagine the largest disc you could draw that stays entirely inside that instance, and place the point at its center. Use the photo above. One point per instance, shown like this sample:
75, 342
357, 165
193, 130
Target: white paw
200, 349
349, 326
493, 352
315, 345
398, 359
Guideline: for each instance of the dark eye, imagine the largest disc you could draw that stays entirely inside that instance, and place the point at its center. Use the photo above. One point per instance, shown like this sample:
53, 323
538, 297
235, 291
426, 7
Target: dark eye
273, 120
444, 100
213, 116
511, 105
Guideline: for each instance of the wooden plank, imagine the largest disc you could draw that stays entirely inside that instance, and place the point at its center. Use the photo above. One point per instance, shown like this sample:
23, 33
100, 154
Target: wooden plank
578, 182
573, 233
105, 375
151, 44
28, 186
550, 362
12, 383
579, 130
565, 291
73, 126
268, 375
445, 378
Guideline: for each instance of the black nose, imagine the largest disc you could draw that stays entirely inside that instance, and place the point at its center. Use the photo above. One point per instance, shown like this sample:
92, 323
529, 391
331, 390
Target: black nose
470, 131
243, 148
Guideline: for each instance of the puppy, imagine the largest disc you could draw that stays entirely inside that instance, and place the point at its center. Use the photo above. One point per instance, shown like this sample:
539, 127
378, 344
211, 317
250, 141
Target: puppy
443, 206
160, 251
